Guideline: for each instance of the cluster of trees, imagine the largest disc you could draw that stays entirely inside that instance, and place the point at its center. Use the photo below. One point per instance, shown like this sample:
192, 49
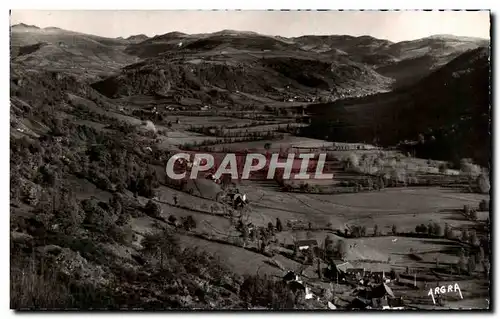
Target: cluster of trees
431, 229
251, 136
357, 231
470, 212
161, 275
484, 205
334, 249
207, 130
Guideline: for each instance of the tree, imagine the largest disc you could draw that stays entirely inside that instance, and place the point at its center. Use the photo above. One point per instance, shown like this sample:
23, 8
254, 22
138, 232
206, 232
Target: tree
341, 249
310, 255
430, 229
486, 268
279, 226
448, 232
172, 219
480, 256
473, 214
189, 223
356, 231
423, 228
329, 245
473, 239
318, 262
375, 230
253, 235
270, 227
153, 209
161, 245
394, 230
461, 264
418, 228
437, 229
471, 265
465, 236
484, 205
363, 231
244, 233
483, 183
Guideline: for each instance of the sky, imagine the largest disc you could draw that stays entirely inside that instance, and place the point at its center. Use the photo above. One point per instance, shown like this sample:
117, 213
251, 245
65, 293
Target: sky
391, 25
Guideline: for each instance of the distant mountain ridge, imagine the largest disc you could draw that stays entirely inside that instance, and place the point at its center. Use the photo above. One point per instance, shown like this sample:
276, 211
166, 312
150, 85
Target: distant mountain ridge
450, 107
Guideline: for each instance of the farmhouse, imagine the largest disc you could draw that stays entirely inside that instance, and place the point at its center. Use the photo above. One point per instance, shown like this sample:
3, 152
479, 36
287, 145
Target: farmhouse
295, 284
306, 244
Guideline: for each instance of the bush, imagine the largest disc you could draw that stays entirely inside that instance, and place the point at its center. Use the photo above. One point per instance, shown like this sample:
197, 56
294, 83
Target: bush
153, 209
97, 217
122, 234
470, 169
484, 205
422, 228
483, 184
33, 290
189, 223
266, 292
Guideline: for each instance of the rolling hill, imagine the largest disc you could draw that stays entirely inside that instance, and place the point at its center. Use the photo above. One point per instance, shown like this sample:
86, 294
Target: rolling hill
406, 62
67, 51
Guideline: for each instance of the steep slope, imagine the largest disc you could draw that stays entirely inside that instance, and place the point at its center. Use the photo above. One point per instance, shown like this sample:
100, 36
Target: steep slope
450, 107
419, 57
406, 62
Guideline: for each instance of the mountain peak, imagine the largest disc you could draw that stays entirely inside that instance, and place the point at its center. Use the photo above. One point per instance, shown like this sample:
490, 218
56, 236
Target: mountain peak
138, 37
24, 26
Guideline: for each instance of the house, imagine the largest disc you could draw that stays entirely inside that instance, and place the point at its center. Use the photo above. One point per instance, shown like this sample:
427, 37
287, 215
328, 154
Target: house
306, 244
356, 272
378, 297
344, 266
297, 285
290, 276
379, 276
382, 291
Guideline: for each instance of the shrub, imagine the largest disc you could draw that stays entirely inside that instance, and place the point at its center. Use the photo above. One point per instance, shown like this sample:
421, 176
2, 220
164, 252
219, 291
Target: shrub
160, 246
466, 210
279, 226
484, 205
97, 217
153, 209
122, 234
34, 290
172, 219
468, 168
189, 223
265, 292
483, 184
